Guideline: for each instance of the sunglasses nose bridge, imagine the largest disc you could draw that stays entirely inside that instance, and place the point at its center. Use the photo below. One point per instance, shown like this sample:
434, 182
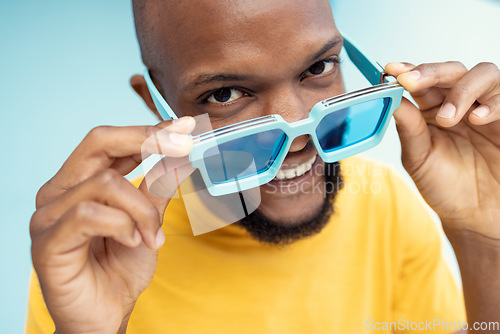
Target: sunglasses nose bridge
303, 127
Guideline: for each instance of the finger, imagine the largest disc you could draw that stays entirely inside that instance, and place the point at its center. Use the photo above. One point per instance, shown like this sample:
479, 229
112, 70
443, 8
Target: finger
441, 75
479, 84
414, 135
396, 69
162, 181
128, 164
487, 112
107, 146
77, 227
428, 98
111, 189
425, 98
103, 145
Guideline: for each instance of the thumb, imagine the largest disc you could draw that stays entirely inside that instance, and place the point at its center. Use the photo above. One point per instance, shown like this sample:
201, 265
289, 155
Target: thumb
162, 181
414, 135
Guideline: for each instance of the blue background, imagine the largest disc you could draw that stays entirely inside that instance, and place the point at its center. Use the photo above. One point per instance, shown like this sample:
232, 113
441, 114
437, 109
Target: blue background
65, 67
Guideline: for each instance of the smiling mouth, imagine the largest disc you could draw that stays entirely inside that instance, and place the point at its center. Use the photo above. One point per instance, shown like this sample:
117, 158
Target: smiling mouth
298, 170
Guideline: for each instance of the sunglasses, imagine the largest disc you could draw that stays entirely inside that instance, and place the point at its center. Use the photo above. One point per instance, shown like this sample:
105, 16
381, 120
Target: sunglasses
248, 154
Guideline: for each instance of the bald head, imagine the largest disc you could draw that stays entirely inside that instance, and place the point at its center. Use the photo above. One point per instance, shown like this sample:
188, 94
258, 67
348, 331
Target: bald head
164, 26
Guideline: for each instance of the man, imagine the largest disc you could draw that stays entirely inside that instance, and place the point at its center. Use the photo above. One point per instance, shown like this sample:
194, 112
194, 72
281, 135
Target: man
375, 259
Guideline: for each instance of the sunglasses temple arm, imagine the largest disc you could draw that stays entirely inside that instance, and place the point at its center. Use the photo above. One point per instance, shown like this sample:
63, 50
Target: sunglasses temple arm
373, 72
161, 105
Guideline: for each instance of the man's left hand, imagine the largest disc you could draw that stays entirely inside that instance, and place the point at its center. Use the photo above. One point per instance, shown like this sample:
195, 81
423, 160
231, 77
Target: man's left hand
451, 142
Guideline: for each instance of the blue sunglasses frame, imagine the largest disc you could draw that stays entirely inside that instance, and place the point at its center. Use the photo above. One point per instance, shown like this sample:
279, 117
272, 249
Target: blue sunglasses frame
373, 73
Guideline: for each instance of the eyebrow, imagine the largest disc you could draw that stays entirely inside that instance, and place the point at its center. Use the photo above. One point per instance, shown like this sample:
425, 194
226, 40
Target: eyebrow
204, 79
333, 42
208, 78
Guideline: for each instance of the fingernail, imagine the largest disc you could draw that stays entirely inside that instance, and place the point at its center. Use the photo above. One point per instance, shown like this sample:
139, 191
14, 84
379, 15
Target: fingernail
447, 111
137, 237
400, 65
481, 111
159, 239
179, 139
182, 120
413, 75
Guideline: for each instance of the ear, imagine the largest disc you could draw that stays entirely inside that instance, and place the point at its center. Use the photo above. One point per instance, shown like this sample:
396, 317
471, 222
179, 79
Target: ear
139, 85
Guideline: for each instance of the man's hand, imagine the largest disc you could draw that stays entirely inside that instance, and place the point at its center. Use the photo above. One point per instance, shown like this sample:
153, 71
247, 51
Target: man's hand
451, 146
95, 236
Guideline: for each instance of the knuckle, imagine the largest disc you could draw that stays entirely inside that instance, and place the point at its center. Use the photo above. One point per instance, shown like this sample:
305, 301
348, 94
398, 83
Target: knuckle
89, 216
429, 68
495, 69
488, 66
35, 223
434, 68
151, 213
409, 65
98, 132
490, 69
457, 64
42, 195
121, 222
83, 210
109, 177
40, 221
461, 89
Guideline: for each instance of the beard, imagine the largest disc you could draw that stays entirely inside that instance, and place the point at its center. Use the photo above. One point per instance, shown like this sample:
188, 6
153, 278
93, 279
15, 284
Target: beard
276, 233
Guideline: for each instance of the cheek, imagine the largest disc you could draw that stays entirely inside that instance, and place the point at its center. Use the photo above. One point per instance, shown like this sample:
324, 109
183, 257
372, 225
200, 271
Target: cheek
335, 88
339, 87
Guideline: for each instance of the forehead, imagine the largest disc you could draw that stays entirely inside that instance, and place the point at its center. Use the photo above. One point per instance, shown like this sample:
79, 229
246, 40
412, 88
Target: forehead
190, 37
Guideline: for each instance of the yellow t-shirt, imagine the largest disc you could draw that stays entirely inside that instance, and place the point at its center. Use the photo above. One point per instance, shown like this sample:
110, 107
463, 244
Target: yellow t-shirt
378, 260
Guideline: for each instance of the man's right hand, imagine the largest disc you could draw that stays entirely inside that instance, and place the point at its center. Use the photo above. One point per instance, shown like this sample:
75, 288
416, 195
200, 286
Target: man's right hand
95, 237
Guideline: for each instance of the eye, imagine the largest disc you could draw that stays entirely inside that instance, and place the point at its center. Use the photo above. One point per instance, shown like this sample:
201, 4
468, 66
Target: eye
321, 67
225, 95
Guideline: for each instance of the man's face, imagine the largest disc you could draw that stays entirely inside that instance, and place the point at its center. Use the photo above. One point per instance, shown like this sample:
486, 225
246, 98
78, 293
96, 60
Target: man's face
237, 60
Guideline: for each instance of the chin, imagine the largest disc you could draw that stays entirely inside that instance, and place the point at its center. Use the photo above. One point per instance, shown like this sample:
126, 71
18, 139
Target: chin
293, 208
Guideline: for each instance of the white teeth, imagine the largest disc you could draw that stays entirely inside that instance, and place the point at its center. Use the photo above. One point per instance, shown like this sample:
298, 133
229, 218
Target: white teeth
297, 171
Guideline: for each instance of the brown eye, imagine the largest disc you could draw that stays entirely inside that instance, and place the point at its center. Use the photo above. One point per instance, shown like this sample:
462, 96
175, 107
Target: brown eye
317, 68
225, 95
321, 67
222, 95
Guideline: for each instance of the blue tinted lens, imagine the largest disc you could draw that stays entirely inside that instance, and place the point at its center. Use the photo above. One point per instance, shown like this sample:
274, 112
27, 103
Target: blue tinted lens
243, 157
351, 125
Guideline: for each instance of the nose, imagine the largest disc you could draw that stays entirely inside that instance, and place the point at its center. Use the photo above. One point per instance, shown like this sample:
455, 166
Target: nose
292, 106
299, 143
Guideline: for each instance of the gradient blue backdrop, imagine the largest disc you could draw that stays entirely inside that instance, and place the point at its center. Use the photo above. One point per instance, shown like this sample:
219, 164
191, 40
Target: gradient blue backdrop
65, 67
